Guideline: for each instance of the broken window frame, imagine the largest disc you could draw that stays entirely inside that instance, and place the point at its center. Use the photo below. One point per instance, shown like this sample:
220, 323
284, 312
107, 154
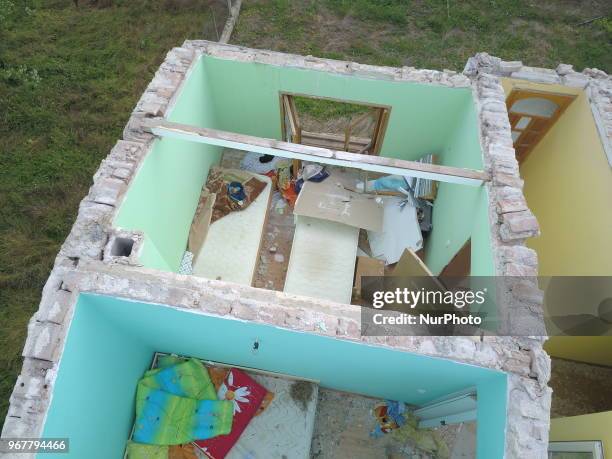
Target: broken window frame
293, 132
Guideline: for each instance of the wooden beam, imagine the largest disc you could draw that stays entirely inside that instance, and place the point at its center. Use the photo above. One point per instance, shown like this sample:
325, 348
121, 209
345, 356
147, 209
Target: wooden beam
274, 147
233, 13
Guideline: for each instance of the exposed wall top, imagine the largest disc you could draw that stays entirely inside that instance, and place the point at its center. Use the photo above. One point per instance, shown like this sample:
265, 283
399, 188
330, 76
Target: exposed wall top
596, 83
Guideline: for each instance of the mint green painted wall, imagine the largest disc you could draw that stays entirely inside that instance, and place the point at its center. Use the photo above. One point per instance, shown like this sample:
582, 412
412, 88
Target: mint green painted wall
482, 251
93, 403
244, 97
164, 194
424, 119
111, 340
460, 211
246, 100
491, 417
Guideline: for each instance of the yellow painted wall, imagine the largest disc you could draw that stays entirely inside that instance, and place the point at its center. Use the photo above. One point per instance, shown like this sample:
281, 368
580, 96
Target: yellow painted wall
591, 349
568, 186
596, 426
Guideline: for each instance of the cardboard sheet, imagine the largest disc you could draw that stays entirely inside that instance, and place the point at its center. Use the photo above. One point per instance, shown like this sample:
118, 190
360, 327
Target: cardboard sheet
400, 231
329, 201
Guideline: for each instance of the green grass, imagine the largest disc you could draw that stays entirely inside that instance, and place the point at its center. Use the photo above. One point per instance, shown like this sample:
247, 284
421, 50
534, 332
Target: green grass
69, 79
323, 109
433, 34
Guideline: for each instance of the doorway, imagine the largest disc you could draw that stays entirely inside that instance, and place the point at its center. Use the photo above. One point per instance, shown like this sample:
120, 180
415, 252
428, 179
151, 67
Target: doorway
334, 124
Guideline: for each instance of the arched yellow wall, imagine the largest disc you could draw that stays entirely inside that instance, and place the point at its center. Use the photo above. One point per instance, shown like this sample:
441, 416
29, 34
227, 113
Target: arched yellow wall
596, 426
568, 186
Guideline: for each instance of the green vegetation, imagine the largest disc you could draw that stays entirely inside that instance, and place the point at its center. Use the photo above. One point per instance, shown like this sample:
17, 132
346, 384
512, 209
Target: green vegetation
70, 77
433, 34
323, 109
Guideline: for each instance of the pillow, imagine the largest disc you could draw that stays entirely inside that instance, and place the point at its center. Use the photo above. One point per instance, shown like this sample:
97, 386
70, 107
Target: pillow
218, 375
246, 395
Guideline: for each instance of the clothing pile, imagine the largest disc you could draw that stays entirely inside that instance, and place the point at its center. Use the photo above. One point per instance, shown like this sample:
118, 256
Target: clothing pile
281, 172
233, 189
185, 409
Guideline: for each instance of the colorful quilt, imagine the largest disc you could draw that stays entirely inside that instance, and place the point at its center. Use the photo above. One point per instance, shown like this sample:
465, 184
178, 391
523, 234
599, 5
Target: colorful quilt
178, 404
246, 396
185, 378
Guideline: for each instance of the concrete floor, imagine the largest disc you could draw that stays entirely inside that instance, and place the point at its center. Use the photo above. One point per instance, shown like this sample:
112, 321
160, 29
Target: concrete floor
342, 430
579, 388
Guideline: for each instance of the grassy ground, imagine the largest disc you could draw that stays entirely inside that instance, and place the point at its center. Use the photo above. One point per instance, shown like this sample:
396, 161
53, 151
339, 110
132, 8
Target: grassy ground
69, 79
433, 34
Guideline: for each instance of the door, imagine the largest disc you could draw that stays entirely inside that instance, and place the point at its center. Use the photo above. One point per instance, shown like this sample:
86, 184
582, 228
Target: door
532, 114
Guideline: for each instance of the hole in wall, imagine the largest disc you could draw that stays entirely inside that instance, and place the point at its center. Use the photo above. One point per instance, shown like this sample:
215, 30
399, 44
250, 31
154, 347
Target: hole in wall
74, 261
122, 247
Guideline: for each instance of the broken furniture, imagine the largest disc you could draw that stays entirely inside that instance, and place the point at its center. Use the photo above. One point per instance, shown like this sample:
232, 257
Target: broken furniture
231, 246
329, 200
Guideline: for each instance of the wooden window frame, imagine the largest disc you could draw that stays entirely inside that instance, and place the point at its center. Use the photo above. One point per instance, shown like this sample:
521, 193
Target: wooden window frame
288, 112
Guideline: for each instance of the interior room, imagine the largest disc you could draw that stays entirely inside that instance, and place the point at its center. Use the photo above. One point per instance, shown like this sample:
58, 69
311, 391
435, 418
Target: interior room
310, 227
113, 341
559, 146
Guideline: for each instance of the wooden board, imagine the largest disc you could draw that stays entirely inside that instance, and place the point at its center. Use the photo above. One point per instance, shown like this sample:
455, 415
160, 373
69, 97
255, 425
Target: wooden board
411, 265
384, 165
460, 264
231, 248
327, 201
367, 266
322, 262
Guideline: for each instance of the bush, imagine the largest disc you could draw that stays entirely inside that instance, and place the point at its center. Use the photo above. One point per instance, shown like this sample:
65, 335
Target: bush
19, 75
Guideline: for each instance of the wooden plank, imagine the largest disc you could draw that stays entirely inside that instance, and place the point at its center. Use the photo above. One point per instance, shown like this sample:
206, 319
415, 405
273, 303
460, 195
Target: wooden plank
367, 266
380, 130
334, 137
234, 11
275, 147
410, 265
327, 201
460, 264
